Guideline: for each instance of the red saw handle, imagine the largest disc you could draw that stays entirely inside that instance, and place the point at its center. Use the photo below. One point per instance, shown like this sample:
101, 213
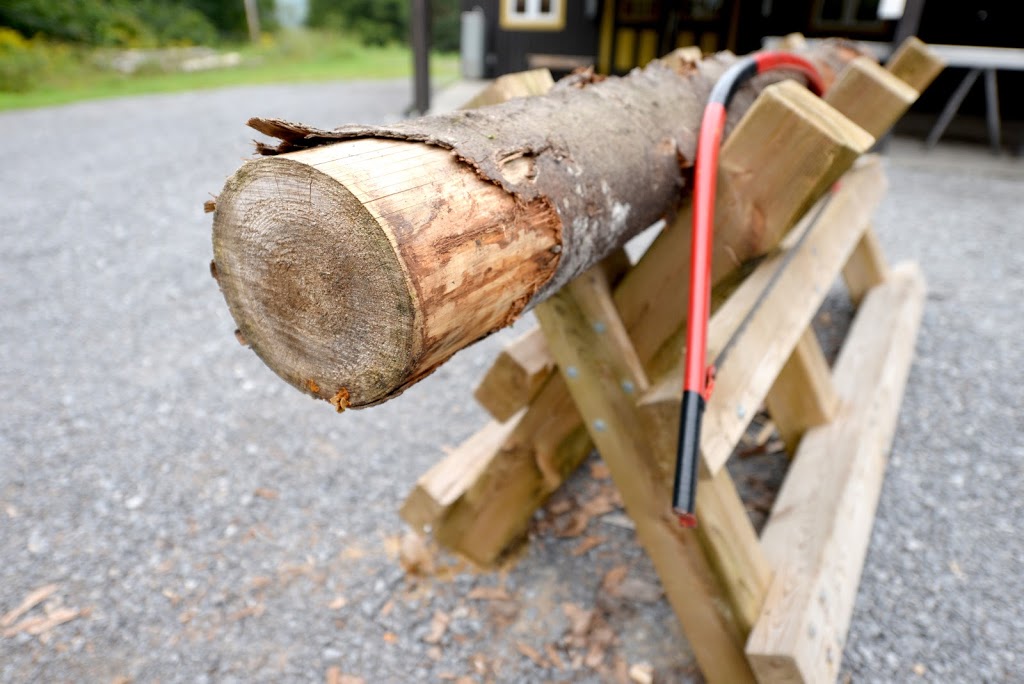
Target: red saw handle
698, 377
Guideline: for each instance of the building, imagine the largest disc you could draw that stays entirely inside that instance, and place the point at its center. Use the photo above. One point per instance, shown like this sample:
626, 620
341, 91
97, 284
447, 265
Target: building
618, 35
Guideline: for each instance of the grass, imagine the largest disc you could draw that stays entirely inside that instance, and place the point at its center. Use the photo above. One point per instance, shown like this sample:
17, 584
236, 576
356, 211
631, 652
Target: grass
304, 57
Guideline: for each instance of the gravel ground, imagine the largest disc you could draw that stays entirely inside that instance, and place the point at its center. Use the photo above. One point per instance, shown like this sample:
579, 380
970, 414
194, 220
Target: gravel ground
202, 521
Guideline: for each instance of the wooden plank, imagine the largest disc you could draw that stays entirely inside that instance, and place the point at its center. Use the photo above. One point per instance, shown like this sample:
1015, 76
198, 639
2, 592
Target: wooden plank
516, 376
915, 64
800, 154
491, 507
509, 86
681, 58
758, 329
802, 396
866, 268
724, 528
598, 362
792, 41
521, 369
442, 485
870, 96
817, 536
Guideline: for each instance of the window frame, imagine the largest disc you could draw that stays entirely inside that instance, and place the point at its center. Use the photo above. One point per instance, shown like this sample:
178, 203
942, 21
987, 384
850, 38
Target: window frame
533, 19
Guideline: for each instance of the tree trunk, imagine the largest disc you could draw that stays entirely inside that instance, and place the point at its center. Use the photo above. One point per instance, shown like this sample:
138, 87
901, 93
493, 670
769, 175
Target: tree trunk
358, 260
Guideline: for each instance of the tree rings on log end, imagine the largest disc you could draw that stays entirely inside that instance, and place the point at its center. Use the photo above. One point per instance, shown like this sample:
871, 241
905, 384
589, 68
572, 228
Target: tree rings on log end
355, 269
313, 281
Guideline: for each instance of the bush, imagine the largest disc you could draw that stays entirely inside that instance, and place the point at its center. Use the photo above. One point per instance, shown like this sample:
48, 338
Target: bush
131, 23
228, 16
177, 24
446, 25
21, 63
378, 22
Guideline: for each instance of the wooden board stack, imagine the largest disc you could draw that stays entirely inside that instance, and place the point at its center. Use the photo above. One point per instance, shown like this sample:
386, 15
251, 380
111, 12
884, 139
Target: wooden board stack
603, 370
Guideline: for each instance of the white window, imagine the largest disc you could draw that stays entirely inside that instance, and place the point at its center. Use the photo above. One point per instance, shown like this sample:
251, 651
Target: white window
533, 15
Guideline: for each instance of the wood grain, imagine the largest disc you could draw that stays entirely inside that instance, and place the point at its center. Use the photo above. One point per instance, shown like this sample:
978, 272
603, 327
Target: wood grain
586, 335
915, 64
818, 532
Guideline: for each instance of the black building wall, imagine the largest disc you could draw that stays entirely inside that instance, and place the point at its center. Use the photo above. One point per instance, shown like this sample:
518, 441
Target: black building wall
507, 51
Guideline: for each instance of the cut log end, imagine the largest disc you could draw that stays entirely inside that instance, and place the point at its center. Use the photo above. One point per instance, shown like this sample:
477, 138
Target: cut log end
276, 234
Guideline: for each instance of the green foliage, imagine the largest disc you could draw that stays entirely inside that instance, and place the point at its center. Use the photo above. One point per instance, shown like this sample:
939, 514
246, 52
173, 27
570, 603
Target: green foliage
132, 23
379, 22
80, 21
21, 64
446, 26
376, 22
175, 24
228, 16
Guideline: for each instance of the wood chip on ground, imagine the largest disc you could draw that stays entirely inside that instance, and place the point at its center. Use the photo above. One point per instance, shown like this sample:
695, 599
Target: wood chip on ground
531, 653
438, 626
488, 594
554, 657
641, 673
613, 578
34, 598
586, 544
414, 555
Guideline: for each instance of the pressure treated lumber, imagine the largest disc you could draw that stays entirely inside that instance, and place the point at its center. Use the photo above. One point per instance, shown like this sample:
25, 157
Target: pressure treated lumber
817, 535
516, 376
524, 365
481, 510
866, 268
725, 532
915, 64
870, 96
802, 395
504, 88
801, 154
359, 259
440, 488
601, 370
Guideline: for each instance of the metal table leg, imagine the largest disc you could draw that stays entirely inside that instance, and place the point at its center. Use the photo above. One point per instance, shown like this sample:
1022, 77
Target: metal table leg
992, 110
949, 111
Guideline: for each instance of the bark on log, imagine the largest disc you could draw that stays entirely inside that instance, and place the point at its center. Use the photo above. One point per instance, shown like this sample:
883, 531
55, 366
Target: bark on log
359, 259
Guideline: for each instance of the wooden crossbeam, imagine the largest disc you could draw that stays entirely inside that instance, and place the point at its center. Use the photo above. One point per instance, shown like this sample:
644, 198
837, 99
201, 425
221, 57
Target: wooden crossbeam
818, 532
600, 367
802, 395
725, 532
866, 268
523, 367
870, 96
915, 64
516, 376
509, 86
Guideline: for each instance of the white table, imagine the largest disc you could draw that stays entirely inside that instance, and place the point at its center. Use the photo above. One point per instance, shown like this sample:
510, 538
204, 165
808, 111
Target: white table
978, 60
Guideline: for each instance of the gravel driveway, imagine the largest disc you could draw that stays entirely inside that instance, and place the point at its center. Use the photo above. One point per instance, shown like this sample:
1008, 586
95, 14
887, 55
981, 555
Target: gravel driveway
189, 517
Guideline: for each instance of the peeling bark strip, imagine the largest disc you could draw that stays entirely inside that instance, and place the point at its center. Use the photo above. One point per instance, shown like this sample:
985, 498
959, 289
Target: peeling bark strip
361, 258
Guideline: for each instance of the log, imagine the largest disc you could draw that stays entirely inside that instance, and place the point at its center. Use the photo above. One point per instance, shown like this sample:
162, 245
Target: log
359, 259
